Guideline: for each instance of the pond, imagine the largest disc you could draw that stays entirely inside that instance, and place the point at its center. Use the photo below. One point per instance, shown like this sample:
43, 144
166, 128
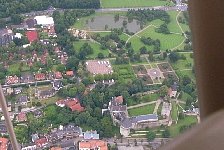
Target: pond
99, 23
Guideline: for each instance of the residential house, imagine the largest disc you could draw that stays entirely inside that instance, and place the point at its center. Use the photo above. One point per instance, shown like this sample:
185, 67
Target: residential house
74, 105
29, 147
57, 85
12, 79
172, 91
58, 75
34, 137
91, 135
6, 37
60, 103
18, 90
42, 142
32, 36
40, 76
21, 117
93, 145
8, 90
37, 113
22, 100
51, 31
70, 73
45, 94
4, 143
65, 132
22, 26
3, 129
27, 78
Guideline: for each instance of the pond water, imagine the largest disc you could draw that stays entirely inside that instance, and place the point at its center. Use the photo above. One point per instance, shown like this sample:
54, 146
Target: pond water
99, 23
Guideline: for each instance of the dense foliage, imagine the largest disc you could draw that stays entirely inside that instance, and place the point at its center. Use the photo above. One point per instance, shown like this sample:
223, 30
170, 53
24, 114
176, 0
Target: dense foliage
9, 7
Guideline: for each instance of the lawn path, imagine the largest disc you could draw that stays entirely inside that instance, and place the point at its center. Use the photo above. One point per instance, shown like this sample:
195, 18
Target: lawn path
142, 104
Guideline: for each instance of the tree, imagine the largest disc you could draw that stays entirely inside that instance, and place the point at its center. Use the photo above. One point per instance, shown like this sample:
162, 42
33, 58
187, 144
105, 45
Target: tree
100, 55
174, 57
166, 133
60, 68
151, 57
143, 50
163, 91
151, 136
16, 19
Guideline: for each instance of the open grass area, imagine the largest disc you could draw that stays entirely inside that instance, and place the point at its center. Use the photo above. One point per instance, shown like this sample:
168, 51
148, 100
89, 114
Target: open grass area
168, 41
144, 110
188, 73
173, 26
156, 22
134, 3
174, 112
188, 120
137, 44
183, 64
150, 97
96, 48
185, 96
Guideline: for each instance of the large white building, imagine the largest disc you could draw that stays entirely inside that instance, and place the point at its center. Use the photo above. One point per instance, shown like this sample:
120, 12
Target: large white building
44, 20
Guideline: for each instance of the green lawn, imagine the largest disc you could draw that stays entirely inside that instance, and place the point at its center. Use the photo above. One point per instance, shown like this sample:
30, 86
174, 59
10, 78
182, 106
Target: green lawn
173, 26
144, 110
150, 97
137, 44
188, 73
168, 41
174, 129
96, 48
134, 3
185, 96
174, 112
124, 37
183, 64
156, 22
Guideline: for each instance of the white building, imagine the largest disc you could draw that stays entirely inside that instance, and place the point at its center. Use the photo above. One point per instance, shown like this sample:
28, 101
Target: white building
44, 20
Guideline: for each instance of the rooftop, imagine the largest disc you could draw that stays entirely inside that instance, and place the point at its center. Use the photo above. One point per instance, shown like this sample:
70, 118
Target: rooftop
99, 67
32, 36
93, 144
4, 143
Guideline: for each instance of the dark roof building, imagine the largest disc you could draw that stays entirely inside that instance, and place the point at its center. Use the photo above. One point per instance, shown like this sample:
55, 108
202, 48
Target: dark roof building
22, 100
31, 23
6, 36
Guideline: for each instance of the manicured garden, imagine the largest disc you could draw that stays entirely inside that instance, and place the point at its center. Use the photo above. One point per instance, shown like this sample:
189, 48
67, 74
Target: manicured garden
125, 72
144, 110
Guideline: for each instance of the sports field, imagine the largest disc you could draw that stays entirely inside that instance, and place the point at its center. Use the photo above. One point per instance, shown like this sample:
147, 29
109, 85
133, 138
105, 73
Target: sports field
134, 3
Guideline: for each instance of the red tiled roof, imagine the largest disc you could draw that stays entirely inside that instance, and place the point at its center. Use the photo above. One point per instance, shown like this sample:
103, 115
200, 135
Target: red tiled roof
4, 143
41, 142
58, 75
74, 105
32, 36
69, 73
40, 76
21, 116
119, 99
93, 144
12, 79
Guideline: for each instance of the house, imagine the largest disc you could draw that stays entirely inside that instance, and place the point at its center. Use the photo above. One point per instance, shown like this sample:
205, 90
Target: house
4, 143
60, 103
88, 135
74, 105
44, 20
18, 90
51, 31
8, 90
32, 36
172, 91
18, 35
65, 132
22, 100
70, 73
37, 113
6, 37
93, 145
29, 147
42, 142
34, 137
58, 75
22, 26
57, 85
26, 78
3, 129
12, 79
45, 94
40, 76
21, 117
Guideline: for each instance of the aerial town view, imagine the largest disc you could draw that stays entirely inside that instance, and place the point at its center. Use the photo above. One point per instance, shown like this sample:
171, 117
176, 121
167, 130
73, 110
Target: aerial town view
96, 74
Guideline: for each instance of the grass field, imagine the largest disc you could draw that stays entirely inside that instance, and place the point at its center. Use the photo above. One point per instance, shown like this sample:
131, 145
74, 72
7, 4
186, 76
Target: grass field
125, 72
174, 113
96, 48
150, 97
183, 64
168, 41
173, 26
188, 73
174, 129
144, 110
133, 3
